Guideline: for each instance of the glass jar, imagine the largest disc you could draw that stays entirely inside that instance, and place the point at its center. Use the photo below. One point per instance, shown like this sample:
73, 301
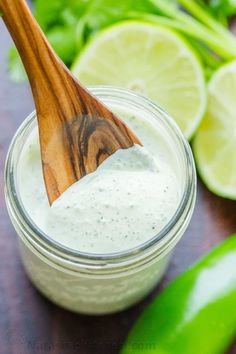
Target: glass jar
96, 283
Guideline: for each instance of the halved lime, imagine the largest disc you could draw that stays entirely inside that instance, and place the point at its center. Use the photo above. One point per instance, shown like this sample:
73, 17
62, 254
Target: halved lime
215, 142
152, 60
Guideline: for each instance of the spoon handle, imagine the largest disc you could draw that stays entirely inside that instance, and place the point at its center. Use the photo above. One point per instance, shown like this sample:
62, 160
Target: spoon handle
49, 78
77, 132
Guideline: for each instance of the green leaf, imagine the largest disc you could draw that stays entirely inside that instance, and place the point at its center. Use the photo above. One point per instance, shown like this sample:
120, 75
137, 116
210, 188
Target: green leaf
15, 67
101, 13
51, 13
48, 12
63, 40
78, 7
228, 7
222, 9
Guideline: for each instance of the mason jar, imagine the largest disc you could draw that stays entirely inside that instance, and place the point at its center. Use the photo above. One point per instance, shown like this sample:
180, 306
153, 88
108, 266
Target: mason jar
100, 283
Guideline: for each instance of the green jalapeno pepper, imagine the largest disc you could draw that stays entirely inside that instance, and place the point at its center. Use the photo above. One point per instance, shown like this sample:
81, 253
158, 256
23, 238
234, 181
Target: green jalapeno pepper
196, 313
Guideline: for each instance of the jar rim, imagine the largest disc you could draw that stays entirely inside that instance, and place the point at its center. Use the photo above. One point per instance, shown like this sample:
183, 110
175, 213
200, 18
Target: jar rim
176, 222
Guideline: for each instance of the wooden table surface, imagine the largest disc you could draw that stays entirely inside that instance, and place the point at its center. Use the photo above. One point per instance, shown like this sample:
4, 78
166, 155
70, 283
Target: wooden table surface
29, 323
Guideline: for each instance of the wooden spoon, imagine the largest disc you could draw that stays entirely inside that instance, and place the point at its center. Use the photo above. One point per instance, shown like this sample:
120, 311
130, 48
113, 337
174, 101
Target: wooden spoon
77, 132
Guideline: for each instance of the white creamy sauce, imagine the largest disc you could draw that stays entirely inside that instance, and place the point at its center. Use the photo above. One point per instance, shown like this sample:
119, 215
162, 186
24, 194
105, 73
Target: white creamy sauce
125, 202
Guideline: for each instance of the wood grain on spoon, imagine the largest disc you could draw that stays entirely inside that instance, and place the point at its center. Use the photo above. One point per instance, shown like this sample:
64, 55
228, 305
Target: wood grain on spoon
77, 132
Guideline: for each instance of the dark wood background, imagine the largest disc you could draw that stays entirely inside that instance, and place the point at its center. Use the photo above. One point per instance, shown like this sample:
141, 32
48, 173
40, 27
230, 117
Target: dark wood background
29, 323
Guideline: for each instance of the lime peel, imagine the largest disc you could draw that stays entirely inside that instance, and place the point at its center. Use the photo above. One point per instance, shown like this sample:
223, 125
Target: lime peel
215, 142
